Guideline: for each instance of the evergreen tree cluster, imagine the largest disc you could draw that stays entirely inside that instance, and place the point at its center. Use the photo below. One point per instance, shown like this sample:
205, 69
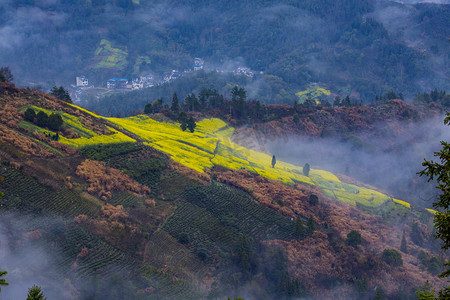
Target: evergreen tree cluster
61, 93
6, 75
53, 122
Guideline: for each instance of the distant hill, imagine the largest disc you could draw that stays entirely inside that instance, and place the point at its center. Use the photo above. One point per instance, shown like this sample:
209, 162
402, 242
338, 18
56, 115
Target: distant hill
136, 208
362, 48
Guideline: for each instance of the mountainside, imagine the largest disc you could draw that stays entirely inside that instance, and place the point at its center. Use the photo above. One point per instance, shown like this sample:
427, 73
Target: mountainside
136, 208
358, 48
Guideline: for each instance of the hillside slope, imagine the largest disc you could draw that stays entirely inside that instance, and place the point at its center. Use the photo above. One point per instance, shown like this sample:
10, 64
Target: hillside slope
145, 210
360, 48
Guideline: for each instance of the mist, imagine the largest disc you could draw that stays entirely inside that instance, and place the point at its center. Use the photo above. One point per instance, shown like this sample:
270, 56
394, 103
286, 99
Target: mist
28, 259
389, 161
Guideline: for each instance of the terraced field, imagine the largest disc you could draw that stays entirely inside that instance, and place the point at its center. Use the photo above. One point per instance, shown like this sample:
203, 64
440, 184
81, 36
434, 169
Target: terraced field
24, 193
209, 220
195, 150
211, 145
101, 259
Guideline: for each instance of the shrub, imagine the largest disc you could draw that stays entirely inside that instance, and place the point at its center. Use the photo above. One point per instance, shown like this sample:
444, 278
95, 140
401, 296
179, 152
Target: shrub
42, 119
55, 122
313, 200
392, 257
306, 169
30, 115
354, 238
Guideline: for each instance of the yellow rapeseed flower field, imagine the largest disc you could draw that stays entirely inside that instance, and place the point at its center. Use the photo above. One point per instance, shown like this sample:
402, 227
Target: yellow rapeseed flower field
211, 144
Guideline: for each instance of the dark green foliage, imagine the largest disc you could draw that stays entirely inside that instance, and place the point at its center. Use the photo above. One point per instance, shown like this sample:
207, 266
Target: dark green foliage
392, 257
30, 115
427, 292
346, 101
310, 225
403, 245
3, 280
191, 124
238, 97
274, 161
433, 264
275, 270
296, 118
183, 119
191, 103
416, 234
175, 106
354, 238
61, 93
244, 255
313, 200
153, 107
51, 136
42, 119
6, 74
105, 151
337, 101
306, 169
35, 293
300, 230
441, 172
435, 96
55, 122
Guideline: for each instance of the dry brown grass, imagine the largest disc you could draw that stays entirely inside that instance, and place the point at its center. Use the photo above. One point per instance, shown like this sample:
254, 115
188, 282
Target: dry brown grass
104, 180
22, 143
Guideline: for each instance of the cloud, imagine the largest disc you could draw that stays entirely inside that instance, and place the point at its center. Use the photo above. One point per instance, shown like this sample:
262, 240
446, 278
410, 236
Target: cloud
26, 25
26, 259
382, 158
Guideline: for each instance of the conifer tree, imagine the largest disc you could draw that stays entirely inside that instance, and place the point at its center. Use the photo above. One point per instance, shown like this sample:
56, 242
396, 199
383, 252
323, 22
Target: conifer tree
35, 293
440, 171
3, 280
191, 124
175, 107
299, 228
403, 246
311, 226
306, 169
274, 161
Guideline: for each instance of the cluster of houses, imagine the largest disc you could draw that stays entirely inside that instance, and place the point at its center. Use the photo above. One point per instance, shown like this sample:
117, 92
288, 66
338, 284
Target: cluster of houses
149, 81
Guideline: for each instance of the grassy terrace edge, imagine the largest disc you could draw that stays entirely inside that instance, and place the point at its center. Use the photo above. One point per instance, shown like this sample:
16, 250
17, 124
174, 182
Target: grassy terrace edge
211, 145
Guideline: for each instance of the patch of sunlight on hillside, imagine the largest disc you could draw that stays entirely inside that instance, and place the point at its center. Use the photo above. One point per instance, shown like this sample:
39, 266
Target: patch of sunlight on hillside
211, 145
110, 57
87, 136
116, 137
401, 202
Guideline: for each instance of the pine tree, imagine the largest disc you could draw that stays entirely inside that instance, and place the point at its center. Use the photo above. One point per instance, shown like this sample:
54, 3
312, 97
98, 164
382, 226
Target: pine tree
6, 74
3, 280
35, 293
440, 171
175, 107
30, 115
61, 93
274, 161
306, 169
299, 228
403, 246
191, 124
311, 226
427, 292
